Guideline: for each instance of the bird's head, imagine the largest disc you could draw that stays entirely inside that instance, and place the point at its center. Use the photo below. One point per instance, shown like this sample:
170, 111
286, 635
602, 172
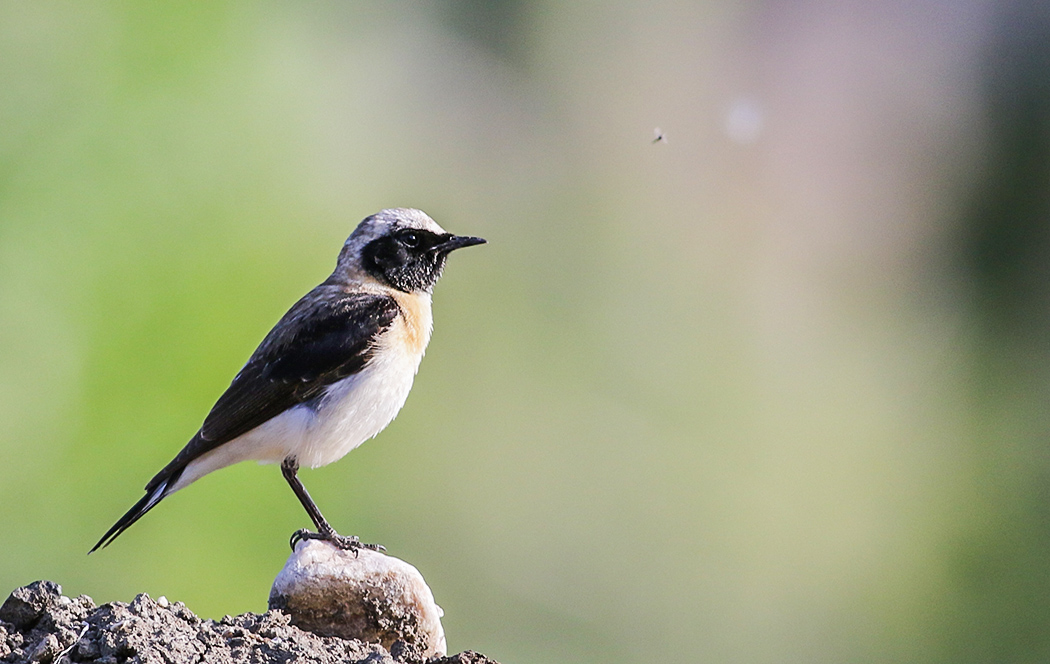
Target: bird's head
400, 247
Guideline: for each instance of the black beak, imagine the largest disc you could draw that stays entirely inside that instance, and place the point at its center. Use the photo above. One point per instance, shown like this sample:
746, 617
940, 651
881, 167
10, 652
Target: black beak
457, 242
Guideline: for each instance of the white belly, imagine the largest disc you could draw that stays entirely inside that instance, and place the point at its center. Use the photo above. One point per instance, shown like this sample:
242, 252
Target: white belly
351, 411
354, 410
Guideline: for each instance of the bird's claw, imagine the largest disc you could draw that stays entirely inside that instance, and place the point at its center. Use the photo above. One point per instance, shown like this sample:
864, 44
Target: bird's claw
344, 542
298, 536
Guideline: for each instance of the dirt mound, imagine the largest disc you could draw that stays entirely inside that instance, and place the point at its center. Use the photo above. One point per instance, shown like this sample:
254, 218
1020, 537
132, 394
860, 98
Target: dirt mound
39, 624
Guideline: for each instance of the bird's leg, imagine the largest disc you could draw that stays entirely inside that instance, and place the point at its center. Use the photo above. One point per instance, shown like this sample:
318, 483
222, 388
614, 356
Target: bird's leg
290, 469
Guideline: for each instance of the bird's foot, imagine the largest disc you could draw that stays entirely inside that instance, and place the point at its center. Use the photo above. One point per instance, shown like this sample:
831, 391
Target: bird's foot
344, 542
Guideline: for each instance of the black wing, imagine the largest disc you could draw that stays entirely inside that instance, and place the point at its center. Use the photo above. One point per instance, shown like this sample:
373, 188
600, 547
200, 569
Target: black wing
328, 335
324, 338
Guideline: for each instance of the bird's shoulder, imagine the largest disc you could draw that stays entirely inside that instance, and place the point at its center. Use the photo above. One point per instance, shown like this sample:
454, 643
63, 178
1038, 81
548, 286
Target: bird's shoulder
331, 315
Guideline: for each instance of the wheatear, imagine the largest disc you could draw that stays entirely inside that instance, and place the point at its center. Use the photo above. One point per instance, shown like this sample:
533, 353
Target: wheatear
331, 374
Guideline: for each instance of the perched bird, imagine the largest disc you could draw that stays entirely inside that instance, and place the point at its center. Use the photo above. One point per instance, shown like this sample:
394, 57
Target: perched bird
331, 374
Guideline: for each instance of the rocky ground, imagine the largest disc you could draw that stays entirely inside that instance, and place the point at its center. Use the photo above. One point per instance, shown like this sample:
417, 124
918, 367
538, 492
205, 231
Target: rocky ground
39, 624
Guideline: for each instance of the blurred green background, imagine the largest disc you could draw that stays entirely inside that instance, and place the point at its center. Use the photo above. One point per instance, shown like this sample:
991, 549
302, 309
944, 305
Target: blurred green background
772, 390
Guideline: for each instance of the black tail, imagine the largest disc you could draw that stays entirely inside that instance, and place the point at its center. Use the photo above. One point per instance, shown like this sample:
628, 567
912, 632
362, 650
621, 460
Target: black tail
155, 492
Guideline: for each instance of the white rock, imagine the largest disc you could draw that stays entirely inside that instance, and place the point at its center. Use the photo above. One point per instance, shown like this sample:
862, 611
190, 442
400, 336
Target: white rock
371, 596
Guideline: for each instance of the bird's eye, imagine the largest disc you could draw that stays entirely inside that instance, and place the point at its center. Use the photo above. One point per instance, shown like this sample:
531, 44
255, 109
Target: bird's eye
410, 240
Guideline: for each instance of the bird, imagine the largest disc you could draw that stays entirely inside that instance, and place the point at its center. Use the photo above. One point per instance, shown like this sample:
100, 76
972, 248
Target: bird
332, 373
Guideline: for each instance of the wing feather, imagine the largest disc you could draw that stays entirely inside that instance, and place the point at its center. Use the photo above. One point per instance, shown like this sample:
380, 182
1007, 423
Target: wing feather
327, 336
